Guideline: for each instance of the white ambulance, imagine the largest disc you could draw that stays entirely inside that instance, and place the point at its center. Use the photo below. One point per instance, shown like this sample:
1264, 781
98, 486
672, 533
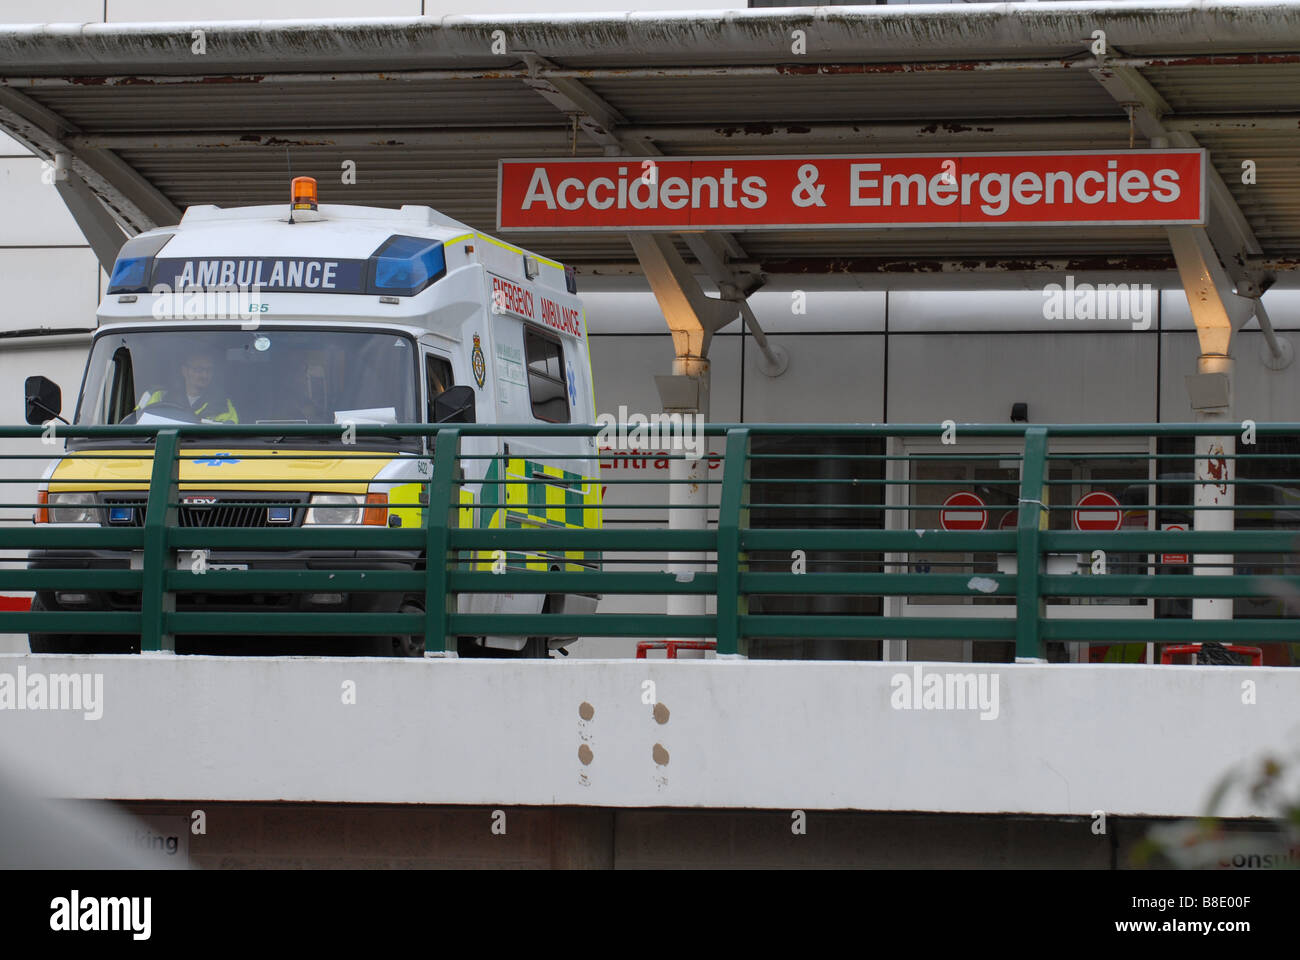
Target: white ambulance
312, 313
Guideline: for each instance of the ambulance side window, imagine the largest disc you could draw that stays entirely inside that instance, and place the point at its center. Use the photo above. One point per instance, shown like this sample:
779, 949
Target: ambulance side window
546, 386
438, 371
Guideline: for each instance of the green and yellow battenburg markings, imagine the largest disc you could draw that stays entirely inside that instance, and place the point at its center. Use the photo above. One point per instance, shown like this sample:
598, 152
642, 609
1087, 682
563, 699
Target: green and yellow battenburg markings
536, 495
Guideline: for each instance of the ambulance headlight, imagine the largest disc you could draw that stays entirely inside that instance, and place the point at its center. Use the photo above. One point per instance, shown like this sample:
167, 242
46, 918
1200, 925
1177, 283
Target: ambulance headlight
73, 508
334, 509
406, 265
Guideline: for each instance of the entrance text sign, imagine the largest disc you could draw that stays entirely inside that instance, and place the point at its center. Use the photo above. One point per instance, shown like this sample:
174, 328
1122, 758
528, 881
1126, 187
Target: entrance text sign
1133, 187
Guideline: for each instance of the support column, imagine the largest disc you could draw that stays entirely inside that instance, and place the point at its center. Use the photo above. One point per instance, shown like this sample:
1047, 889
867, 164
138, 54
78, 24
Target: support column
692, 319
1211, 391
1217, 310
687, 392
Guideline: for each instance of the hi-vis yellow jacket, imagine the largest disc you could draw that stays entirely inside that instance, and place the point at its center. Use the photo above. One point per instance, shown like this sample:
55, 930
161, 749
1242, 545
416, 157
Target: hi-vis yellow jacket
226, 416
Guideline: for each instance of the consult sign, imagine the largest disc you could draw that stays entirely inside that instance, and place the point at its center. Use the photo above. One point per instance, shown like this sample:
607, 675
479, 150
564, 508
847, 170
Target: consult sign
1137, 187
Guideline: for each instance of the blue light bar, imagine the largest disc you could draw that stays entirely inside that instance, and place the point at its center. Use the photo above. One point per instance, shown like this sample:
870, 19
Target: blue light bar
406, 265
130, 275
121, 514
131, 271
279, 514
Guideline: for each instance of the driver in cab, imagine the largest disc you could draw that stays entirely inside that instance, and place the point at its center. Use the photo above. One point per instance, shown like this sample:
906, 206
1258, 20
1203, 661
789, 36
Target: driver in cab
196, 370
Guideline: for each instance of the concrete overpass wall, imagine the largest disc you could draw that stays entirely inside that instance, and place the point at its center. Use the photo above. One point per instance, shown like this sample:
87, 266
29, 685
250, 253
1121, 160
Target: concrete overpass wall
1044, 740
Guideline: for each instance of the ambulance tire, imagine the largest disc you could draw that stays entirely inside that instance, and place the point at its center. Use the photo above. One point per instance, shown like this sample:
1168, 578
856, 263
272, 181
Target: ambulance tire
405, 645
65, 642
46, 642
536, 648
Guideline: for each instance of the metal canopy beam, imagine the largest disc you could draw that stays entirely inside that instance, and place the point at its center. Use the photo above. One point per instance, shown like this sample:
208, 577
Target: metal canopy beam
939, 132
97, 224
130, 197
1228, 228
672, 282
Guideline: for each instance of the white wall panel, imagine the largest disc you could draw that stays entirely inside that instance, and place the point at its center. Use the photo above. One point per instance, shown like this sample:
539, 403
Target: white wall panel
167, 11
1027, 310
831, 379
823, 310
51, 11
1283, 308
56, 288
1065, 378
34, 211
819, 311
625, 368
9, 147
1258, 393
623, 312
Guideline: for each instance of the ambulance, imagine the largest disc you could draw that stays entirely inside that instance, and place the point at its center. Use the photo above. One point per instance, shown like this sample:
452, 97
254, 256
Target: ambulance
342, 315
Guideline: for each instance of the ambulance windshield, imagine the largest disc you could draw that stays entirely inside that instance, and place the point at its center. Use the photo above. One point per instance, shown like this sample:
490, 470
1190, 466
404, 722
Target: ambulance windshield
280, 376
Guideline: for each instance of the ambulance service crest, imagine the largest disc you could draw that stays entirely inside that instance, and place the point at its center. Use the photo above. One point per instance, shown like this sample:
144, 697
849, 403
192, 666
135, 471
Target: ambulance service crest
480, 365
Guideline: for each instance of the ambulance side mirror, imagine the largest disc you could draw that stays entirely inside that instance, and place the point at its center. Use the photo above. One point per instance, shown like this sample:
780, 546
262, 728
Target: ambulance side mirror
44, 400
454, 405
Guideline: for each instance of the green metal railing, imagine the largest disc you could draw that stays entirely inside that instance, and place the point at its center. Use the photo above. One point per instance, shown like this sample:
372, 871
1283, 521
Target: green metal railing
870, 535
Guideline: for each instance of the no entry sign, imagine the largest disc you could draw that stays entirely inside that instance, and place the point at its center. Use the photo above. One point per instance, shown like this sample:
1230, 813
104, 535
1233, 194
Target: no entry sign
1173, 557
963, 511
1139, 187
1097, 511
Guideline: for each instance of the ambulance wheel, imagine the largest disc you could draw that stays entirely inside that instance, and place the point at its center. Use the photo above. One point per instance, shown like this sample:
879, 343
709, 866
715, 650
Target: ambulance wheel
410, 644
51, 642
536, 648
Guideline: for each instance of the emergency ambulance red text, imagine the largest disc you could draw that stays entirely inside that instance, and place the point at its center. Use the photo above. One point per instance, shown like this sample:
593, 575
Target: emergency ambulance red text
509, 297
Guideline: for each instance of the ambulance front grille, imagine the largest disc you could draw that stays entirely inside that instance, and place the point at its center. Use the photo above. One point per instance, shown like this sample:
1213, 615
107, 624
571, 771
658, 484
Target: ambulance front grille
241, 510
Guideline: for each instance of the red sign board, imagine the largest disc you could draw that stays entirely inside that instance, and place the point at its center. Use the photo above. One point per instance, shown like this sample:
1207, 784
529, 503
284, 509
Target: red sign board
1137, 187
1097, 511
963, 511
1174, 557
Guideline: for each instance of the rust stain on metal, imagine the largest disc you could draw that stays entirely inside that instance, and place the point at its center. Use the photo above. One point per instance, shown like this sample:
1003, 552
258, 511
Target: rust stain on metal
761, 129
660, 755
661, 713
874, 265
586, 710
864, 69
585, 755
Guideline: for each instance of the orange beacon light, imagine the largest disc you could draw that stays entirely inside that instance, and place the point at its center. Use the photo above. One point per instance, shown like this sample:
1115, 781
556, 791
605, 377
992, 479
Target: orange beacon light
302, 194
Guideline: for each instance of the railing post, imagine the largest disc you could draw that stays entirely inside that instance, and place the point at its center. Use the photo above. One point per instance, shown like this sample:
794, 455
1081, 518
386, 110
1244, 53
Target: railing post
442, 507
732, 516
1029, 603
159, 518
